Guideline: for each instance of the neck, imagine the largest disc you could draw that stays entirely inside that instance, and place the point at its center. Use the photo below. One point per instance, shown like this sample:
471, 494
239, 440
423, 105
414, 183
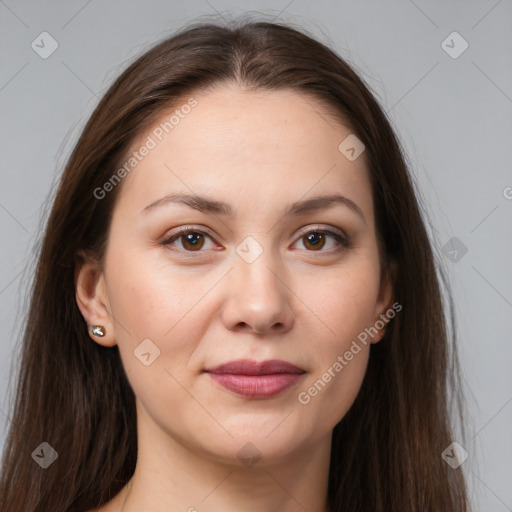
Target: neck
173, 474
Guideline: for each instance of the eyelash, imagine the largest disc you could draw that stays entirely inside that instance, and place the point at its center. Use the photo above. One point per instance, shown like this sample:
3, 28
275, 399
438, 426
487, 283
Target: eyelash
344, 241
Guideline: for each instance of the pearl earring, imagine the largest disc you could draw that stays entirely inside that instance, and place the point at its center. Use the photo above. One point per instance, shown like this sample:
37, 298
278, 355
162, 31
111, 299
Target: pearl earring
97, 330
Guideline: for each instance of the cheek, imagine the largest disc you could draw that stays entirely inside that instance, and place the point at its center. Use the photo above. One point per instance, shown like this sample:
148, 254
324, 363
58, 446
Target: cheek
342, 300
148, 294
150, 301
345, 303
338, 369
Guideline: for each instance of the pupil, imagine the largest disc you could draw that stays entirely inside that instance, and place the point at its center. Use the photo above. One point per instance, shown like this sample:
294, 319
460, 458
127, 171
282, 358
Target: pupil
191, 236
312, 237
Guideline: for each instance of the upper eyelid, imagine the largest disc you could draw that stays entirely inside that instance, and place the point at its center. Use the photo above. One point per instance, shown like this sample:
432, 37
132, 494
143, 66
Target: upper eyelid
321, 227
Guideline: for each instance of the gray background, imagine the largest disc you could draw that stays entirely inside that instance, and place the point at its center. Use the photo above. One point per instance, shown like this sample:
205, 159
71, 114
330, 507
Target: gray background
452, 114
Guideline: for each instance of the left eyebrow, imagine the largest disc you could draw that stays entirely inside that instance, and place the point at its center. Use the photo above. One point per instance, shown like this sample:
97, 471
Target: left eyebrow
322, 203
208, 205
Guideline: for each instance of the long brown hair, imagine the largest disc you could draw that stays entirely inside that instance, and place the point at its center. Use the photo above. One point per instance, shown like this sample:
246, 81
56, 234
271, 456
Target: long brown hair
73, 393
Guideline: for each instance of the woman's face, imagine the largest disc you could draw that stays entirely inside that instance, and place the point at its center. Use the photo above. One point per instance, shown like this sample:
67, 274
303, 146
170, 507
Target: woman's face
257, 277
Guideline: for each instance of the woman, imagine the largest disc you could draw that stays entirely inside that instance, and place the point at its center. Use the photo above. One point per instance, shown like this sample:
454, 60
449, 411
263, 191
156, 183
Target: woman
236, 305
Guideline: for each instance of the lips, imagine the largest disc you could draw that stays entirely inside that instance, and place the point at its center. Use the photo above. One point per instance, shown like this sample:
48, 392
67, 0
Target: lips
257, 380
249, 367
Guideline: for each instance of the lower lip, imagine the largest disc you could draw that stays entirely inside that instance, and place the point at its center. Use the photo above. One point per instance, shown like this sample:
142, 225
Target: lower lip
257, 386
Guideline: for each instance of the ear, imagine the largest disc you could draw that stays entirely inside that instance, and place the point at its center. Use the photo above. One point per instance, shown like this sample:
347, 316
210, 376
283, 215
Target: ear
385, 298
92, 299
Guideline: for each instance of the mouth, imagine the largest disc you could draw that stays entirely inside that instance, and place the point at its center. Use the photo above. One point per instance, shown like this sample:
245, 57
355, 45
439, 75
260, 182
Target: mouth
256, 380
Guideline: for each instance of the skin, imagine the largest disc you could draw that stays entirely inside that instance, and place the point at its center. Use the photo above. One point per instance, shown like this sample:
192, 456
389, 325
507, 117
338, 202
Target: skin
258, 151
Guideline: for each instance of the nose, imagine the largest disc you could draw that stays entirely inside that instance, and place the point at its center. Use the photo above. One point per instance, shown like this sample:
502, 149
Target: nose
258, 297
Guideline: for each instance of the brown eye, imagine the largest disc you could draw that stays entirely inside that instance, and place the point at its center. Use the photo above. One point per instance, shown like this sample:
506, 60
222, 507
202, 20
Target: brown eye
316, 240
191, 240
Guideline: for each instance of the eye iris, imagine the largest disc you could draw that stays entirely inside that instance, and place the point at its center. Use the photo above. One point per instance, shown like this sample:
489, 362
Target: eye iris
313, 238
192, 238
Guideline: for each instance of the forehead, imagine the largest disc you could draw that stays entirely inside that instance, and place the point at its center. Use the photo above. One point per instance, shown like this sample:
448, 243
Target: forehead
251, 145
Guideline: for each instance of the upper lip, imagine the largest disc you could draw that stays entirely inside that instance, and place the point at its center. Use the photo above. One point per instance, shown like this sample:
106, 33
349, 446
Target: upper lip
251, 367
